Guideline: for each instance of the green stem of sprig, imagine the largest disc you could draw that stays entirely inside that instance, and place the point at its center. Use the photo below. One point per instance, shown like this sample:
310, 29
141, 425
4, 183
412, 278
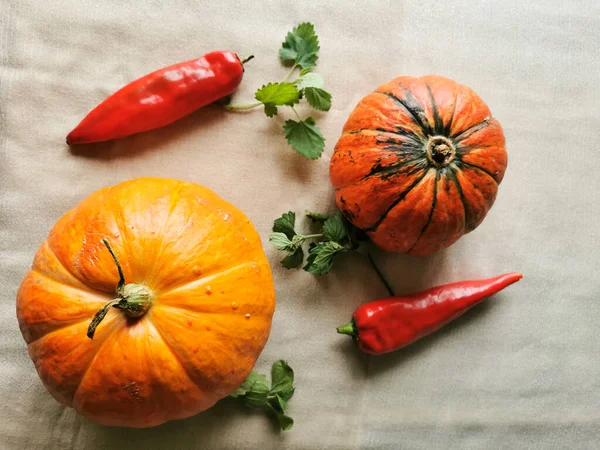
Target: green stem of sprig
289, 74
312, 236
242, 107
248, 106
296, 113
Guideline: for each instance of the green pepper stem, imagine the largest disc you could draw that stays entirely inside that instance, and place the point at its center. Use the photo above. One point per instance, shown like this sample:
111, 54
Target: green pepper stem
349, 329
244, 61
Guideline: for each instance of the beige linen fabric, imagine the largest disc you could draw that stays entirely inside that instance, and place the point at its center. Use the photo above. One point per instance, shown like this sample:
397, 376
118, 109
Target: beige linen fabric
519, 372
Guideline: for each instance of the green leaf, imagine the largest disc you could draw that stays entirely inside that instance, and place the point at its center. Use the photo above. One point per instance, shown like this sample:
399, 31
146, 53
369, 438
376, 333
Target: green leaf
317, 217
282, 403
258, 395
334, 228
318, 98
282, 377
285, 422
246, 385
305, 137
285, 224
256, 392
287, 394
277, 94
294, 259
280, 241
300, 46
305, 71
310, 80
270, 110
321, 255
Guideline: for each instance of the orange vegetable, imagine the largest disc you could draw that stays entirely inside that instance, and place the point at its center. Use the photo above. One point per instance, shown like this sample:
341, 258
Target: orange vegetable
191, 318
418, 164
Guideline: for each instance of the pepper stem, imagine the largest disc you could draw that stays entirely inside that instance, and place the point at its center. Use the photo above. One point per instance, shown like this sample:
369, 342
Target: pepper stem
244, 61
349, 329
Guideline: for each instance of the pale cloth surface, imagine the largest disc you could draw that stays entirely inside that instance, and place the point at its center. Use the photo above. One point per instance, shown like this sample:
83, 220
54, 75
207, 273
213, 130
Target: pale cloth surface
522, 371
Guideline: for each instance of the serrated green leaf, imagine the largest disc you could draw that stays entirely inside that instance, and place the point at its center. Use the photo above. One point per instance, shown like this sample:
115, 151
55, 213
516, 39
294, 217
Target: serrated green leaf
300, 46
270, 110
305, 137
285, 224
321, 256
318, 98
311, 80
282, 377
277, 94
294, 259
334, 228
280, 241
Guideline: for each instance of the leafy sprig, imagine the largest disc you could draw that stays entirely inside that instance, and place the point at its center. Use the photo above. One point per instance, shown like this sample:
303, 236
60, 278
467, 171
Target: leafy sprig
257, 392
300, 51
336, 236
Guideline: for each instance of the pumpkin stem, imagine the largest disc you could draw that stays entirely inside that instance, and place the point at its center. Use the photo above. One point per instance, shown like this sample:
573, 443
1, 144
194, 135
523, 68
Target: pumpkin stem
99, 316
119, 268
133, 299
440, 151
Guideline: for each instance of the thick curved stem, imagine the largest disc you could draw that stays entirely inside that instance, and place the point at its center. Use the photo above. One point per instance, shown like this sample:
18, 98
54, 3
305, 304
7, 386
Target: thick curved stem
134, 299
99, 316
119, 268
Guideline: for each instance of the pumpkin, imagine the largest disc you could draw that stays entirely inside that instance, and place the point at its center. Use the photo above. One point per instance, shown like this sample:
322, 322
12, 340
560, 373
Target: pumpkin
418, 164
193, 308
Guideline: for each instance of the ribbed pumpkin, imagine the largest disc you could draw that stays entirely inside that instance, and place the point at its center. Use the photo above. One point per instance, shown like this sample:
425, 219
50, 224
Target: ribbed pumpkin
418, 164
190, 320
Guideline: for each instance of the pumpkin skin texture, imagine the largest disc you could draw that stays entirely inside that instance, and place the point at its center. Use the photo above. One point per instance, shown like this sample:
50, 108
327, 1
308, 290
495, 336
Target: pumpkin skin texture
418, 164
210, 314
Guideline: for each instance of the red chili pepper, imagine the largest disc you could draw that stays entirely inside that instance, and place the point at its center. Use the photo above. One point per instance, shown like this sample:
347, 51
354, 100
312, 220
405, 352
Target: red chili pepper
161, 97
386, 325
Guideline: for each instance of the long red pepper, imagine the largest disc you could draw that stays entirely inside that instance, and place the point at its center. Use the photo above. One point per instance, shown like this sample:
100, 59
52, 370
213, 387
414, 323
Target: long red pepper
161, 97
386, 325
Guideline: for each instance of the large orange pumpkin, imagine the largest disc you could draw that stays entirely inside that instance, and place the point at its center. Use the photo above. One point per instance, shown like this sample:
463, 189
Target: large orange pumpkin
418, 164
192, 317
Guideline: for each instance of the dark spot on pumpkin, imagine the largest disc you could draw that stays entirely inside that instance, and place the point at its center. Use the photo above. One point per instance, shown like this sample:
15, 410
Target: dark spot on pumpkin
189, 322
132, 390
195, 350
347, 214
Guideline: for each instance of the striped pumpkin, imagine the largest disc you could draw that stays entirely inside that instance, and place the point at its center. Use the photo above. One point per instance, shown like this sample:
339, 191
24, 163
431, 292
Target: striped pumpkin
418, 164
